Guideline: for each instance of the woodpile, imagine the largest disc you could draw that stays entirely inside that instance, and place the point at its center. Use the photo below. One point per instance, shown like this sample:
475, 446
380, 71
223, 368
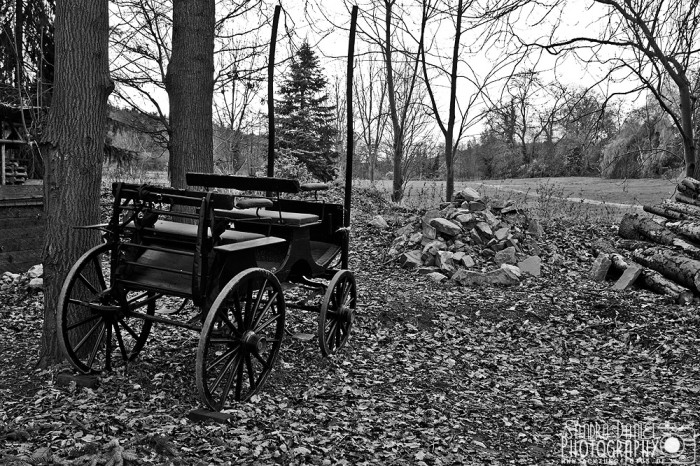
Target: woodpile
470, 241
659, 253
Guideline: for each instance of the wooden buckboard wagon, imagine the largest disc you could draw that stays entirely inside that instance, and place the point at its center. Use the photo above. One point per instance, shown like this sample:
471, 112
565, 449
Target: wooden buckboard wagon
228, 254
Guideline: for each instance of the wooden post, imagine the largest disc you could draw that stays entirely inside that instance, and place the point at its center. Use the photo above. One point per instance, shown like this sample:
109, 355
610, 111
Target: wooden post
3, 164
351, 139
271, 96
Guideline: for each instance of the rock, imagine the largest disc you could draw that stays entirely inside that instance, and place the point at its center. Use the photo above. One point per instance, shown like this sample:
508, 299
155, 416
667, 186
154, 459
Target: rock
444, 261
434, 246
36, 284
497, 204
535, 229
429, 231
502, 233
476, 239
429, 215
512, 269
437, 277
468, 221
484, 230
532, 265
428, 260
629, 276
36, 271
406, 230
511, 209
379, 222
427, 270
501, 276
477, 206
445, 226
468, 261
468, 194
506, 256
416, 237
600, 267
490, 218
411, 260
488, 253
459, 245
556, 259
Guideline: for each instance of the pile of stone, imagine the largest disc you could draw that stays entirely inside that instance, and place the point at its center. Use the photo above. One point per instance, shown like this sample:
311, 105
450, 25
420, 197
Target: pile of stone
471, 242
32, 280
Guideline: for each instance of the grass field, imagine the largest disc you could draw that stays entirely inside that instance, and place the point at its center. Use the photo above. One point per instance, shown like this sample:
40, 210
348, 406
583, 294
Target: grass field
584, 198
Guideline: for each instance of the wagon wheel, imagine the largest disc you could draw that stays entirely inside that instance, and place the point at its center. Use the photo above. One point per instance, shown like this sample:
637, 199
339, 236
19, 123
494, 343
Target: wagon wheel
95, 319
241, 338
337, 313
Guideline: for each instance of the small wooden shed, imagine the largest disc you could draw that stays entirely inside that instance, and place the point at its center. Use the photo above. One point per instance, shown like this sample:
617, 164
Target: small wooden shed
21, 198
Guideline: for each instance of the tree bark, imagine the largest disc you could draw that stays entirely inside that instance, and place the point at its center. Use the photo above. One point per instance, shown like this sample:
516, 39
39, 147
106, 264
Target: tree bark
73, 146
680, 197
190, 85
397, 146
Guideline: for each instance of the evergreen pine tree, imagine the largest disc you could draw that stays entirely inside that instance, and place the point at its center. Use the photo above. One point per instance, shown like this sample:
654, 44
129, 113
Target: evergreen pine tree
305, 123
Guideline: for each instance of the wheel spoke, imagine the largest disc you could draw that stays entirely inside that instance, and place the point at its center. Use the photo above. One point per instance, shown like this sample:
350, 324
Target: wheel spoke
108, 348
91, 360
248, 316
128, 328
267, 308
264, 363
239, 381
120, 342
258, 300
82, 322
88, 284
249, 368
227, 354
238, 312
267, 323
235, 358
100, 273
87, 336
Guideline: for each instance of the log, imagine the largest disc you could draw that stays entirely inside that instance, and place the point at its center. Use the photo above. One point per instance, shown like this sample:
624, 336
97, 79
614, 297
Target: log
680, 197
685, 209
664, 211
689, 230
654, 281
690, 184
687, 190
677, 267
635, 227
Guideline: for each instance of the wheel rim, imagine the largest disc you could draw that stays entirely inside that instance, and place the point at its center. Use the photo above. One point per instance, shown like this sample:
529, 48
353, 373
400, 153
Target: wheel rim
337, 313
240, 339
96, 320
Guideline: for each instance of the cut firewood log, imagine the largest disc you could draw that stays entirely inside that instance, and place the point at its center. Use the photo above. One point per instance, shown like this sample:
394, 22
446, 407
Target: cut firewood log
672, 265
690, 185
636, 227
680, 197
686, 209
663, 211
689, 230
654, 281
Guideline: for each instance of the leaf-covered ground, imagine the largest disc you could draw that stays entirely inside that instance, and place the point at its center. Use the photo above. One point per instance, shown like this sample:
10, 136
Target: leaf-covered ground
433, 374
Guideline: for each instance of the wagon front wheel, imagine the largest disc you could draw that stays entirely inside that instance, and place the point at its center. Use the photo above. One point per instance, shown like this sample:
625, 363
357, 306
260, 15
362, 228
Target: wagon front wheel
98, 325
337, 313
240, 339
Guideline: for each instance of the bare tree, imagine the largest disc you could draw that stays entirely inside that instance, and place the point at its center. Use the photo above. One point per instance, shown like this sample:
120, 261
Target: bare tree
370, 92
654, 43
73, 141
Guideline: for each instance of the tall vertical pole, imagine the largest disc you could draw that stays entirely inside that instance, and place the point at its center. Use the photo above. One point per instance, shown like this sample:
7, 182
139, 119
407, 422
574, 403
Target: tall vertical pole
271, 95
350, 138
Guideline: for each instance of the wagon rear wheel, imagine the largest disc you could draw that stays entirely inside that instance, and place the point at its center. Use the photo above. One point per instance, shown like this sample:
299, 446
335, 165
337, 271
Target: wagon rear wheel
337, 313
97, 328
240, 339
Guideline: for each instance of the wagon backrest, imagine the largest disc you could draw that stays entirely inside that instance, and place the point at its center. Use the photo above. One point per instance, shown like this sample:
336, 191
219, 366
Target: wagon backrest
168, 221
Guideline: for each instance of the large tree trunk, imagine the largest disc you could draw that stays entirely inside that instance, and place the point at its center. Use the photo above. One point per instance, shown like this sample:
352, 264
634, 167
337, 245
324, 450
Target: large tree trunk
190, 84
73, 147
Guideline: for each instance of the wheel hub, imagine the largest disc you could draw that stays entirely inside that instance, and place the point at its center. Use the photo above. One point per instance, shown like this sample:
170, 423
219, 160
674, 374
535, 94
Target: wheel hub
253, 342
